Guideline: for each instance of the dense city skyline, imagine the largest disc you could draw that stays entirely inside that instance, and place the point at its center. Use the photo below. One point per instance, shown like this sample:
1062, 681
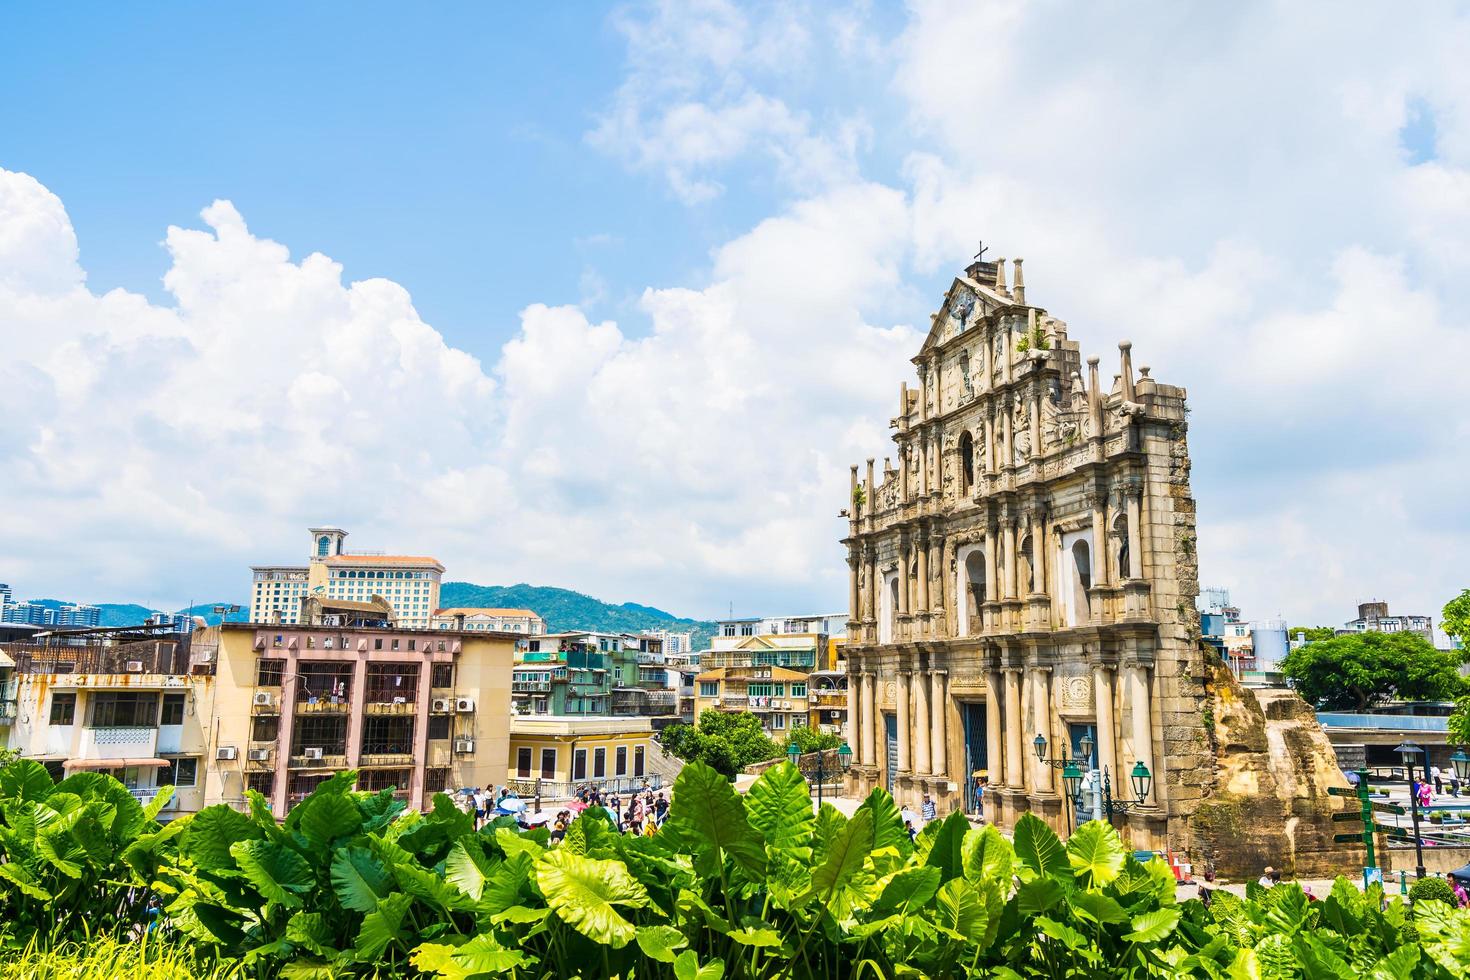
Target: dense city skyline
611, 303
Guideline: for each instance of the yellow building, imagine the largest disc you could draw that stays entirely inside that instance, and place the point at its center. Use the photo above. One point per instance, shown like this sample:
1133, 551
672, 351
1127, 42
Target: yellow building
410, 583
480, 618
414, 709
775, 695
551, 756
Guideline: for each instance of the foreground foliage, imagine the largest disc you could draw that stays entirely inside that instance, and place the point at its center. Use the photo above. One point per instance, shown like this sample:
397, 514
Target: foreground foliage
753, 886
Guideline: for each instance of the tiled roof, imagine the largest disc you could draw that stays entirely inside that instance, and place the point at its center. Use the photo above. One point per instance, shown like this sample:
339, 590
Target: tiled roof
481, 611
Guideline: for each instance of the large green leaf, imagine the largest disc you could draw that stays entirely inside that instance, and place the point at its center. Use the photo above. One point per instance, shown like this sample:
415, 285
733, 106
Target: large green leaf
381, 926
987, 856
359, 879
25, 779
160, 800
779, 807
22, 880
1098, 907
908, 889
467, 867
947, 851
509, 884
1095, 853
960, 910
585, 893
310, 931
277, 872
837, 882
708, 818
1150, 927
328, 819
1040, 852
430, 887
687, 967
829, 821
660, 942
210, 834
1038, 895
483, 955
1396, 965
888, 828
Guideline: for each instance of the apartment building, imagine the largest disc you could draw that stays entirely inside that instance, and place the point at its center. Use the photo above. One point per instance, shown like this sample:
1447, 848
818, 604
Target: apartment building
410, 583
134, 703
778, 696
729, 632
553, 756
412, 709
589, 673
522, 621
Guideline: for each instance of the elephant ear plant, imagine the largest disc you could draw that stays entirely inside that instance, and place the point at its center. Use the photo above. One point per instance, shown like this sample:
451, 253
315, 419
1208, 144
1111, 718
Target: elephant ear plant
755, 886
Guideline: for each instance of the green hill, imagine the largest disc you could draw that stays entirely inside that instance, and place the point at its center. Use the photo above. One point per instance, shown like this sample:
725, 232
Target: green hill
566, 610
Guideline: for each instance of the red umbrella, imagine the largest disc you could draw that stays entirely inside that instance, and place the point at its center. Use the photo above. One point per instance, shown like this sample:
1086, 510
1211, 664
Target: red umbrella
576, 806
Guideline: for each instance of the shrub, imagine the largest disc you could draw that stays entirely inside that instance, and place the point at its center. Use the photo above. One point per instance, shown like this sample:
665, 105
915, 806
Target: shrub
1432, 889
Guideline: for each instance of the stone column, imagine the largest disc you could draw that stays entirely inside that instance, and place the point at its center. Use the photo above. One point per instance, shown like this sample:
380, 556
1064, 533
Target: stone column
874, 584
905, 733
923, 464
994, 745
990, 453
939, 708
1135, 547
865, 734
1041, 691
903, 581
905, 453
921, 584
870, 498
854, 712
1094, 398
1010, 540
1100, 560
921, 733
1102, 687
1038, 553
855, 613
1036, 422
992, 566
1015, 778
1142, 723
1008, 447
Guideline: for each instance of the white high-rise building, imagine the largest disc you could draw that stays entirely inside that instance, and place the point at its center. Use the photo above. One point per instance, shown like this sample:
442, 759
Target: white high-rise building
410, 583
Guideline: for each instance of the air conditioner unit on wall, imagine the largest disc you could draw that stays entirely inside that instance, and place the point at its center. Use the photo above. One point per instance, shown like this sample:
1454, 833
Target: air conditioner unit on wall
259, 755
464, 704
464, 746
135, 666
262, 698
225, 753
440, 706
312, 753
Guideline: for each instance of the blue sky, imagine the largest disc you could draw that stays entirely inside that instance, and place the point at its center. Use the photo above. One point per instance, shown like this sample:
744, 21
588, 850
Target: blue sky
610, 297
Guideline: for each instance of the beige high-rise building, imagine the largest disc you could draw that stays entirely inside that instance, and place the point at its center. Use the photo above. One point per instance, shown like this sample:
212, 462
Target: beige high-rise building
410, 583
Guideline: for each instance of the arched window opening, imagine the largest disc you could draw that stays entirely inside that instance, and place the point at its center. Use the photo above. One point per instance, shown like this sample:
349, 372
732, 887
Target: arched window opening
967, 462
1081, 582
1120, 534
323, 546
1026, 570
975, 590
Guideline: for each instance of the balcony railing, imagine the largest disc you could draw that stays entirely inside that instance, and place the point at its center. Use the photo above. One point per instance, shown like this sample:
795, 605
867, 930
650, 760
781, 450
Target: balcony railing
333, 760
529, 687
323, 706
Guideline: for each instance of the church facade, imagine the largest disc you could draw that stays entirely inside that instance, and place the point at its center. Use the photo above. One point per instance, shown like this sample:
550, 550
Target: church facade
1023, 577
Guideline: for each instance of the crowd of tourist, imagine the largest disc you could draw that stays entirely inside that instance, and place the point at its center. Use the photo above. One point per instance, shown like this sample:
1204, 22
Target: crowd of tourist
639, 811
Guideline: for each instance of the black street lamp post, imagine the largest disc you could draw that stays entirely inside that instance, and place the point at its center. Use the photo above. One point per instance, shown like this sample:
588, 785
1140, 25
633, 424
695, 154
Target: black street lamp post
1407, 751
817, 771
1071, 775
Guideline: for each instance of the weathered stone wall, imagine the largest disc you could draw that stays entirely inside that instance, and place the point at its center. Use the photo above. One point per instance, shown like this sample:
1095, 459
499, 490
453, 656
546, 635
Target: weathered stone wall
1269, 804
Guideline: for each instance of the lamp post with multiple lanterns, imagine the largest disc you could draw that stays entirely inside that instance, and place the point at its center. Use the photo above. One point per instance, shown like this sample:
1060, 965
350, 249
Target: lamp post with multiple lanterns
1140, 777
817, 771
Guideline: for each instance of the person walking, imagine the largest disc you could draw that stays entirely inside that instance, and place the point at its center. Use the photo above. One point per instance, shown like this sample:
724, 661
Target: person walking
1437, 778
928, 810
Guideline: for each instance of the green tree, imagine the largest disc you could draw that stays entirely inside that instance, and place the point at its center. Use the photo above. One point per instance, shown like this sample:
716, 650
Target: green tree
1359, 670
1455, 620
726, 741
808, 739
1312, 633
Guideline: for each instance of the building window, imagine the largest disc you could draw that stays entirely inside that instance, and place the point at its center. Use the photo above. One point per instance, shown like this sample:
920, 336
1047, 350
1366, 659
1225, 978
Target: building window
263, 783
265, 728
548, 763
637, 760
579, 764
798, 690
63, 709
523, 762
378, 643
443, 676
268, 672
622, 761
709, 689
173, 710
599, 763
438, 726
180, 773
778, 721
123, 709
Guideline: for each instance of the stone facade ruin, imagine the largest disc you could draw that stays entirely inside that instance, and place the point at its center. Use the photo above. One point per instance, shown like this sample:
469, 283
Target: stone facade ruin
1025, 566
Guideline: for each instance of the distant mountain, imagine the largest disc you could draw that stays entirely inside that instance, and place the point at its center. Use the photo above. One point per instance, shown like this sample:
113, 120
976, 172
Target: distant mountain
566, 610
